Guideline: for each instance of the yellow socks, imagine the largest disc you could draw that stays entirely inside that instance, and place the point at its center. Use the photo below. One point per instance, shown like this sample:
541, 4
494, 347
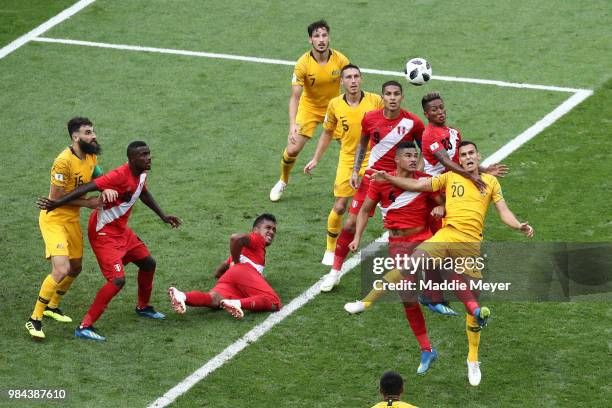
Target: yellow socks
472, 328
287, 163
392, 276
334, 226
47, 290
60, 291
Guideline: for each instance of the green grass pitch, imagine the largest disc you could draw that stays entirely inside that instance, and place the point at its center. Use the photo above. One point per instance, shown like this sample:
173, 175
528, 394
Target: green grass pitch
217, 129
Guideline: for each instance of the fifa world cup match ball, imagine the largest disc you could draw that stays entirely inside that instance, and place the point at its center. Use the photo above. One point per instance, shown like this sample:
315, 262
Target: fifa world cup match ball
418, 71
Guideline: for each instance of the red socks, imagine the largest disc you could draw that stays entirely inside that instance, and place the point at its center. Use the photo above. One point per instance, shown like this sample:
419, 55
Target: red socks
259, 303
103, 298
145, 286
342, 249
417, 324
198, 299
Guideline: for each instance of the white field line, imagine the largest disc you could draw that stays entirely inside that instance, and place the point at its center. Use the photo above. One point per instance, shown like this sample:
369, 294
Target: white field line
291, 63
47, 25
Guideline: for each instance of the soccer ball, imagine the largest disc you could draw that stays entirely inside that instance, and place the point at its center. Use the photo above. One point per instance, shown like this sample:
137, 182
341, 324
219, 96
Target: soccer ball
418, 71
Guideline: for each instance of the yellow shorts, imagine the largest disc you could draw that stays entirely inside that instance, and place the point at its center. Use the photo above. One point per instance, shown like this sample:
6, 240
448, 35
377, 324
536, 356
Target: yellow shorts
62, 239
308, 121
464, 249
342, 187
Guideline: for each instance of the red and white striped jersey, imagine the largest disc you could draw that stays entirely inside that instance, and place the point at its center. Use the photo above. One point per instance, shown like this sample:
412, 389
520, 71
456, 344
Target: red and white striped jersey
436, 138
401, 209
113, 217
385, 134
253, 254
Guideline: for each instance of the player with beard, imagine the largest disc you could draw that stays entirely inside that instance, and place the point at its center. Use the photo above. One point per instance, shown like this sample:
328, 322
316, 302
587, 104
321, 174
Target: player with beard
112, 240
241, 283
61, 229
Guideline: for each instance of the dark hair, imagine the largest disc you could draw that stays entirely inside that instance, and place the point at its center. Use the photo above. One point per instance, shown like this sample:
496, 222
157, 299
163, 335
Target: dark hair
317, 24
349, 66
466, 143
405, 145
428, 97
133, 146
262, 218
75, 124
391, 383
392, 83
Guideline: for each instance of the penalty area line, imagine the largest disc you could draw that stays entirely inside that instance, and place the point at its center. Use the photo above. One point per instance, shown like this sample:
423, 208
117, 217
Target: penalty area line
44, 27
261, 60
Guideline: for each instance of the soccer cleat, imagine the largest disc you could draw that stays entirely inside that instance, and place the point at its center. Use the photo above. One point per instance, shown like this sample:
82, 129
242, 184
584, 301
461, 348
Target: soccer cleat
482, 315
328, 258
427, 358
34, 327
232, 306
56, 314
474, 374
442, 308
330, 280
150, 313
355, 307
88, 333
277, 191
177, 299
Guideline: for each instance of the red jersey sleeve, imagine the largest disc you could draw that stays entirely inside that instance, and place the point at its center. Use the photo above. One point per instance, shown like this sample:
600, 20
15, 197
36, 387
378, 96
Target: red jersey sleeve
374, 191
109, 180
256, 241
418, 130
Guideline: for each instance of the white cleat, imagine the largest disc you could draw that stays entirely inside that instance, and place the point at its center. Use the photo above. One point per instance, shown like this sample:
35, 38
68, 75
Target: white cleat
177, 299
328, 258
277, 191
355, 307
474, 372
232, 306
330, 280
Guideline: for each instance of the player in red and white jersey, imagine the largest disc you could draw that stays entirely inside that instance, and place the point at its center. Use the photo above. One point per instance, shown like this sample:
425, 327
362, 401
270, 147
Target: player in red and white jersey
383, 129
112, 241
241, 285
440, 144
406, 217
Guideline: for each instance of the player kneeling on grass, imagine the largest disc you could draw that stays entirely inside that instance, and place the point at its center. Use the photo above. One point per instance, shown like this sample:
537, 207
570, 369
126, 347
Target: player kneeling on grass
241, 283
466, 207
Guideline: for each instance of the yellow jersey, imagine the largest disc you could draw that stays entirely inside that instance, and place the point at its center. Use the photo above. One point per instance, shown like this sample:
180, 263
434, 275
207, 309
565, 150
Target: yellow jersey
320, 82
69, 172
394, 404
466, 206
345, 121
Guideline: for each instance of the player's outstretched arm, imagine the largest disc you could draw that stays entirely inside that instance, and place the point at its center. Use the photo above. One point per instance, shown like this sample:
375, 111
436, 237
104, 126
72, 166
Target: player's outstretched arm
497, 169
147, 198
322, 145
237, 242
362, 221
510, 219
49, 204
423, 184
450, 165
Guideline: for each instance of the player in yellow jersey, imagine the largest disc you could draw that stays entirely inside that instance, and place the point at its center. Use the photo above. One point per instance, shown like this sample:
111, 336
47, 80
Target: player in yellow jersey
391, 389
343, 119
316, 80
61, 229
461, 232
